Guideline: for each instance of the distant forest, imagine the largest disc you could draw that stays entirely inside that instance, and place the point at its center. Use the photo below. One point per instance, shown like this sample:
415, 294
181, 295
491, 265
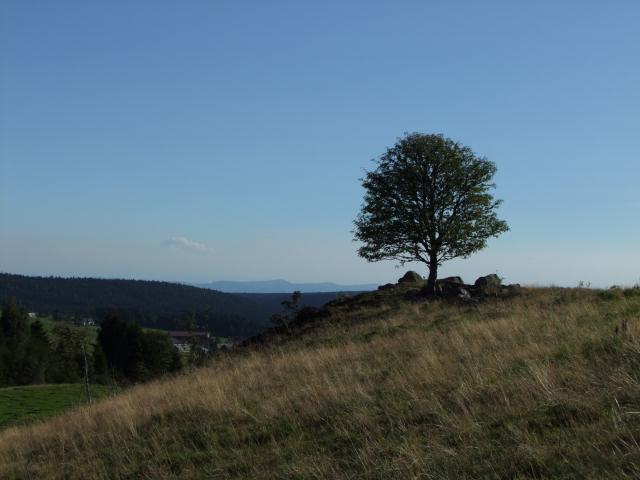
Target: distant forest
151, 304
123, 352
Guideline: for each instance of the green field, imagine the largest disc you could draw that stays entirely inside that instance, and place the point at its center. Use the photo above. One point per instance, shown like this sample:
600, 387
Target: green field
91, 331
49, 325
20, 405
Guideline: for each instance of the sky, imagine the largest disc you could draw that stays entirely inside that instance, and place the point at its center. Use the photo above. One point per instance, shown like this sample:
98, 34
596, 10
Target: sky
209, 140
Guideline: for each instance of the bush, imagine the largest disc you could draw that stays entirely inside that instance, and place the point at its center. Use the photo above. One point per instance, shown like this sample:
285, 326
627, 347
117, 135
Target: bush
134, 354
632, 292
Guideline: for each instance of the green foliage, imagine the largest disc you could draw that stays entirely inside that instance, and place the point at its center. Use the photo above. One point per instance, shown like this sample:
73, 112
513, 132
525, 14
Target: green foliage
14, 322
132, 353
56, 352
159, 354
99, 365
69, 348
632, 292
427, 200
24, 349
201, 349
290, 310
609, 295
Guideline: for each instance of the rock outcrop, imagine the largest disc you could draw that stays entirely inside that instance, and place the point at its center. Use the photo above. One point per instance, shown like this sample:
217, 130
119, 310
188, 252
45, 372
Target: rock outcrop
452, 287
511, 290
411, 277
455, 288
489, 284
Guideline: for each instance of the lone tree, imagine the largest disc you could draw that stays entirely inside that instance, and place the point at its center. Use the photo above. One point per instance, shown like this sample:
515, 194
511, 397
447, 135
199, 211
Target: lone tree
427, 200
290, 310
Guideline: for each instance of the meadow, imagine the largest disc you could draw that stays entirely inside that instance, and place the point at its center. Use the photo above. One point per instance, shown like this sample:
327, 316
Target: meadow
49, 325
21, 405
544, 385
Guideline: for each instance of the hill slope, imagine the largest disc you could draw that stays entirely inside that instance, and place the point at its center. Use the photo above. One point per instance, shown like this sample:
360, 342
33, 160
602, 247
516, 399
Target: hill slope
539, 386
272, 302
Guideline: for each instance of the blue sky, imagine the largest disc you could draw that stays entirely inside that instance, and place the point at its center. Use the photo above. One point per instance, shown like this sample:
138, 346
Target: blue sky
211, 140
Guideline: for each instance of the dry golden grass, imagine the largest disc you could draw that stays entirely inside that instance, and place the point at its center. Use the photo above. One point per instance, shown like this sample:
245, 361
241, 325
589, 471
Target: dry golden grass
540, 386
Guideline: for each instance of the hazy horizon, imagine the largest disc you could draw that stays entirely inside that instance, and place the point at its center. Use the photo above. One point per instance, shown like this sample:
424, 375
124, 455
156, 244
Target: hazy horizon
225, 141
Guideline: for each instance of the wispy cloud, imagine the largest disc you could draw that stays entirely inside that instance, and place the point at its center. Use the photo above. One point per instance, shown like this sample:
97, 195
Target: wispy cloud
187, 245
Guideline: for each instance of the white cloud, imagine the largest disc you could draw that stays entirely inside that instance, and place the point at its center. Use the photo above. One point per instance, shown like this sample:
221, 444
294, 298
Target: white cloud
187, 245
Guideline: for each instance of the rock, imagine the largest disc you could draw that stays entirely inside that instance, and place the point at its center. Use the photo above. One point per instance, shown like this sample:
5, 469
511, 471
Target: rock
455, 280
489, 284
386, 286
411, 277
463, 294
511, 290
492, 280
453, 287
449, 286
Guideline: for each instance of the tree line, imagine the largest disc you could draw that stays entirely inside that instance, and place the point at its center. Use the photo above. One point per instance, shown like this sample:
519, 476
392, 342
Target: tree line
123, 352
151, 304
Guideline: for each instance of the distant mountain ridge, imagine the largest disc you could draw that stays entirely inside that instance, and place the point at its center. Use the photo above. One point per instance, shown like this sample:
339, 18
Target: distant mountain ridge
282, 286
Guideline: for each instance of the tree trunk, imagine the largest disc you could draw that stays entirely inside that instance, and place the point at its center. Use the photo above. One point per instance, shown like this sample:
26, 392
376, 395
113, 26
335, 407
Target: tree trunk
86, 374
430, 288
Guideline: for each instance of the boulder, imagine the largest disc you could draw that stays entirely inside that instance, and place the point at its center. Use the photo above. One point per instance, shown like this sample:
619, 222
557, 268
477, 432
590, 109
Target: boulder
449, 286
511, 290
463, 294
453, 290
489, 284
411, 277
492, 280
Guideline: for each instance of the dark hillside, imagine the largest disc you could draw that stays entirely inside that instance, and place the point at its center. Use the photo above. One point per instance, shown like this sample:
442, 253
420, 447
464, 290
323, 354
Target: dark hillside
272, 302
151, 303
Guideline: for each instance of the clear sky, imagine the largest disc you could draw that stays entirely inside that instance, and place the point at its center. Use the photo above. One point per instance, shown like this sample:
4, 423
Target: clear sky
207, 140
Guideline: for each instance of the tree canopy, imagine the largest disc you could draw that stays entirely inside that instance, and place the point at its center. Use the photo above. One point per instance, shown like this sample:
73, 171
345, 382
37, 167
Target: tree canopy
427, 200
65, 353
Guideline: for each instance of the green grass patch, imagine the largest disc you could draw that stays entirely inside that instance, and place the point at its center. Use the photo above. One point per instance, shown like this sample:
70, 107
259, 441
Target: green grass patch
91, 332
21, 405
49, 326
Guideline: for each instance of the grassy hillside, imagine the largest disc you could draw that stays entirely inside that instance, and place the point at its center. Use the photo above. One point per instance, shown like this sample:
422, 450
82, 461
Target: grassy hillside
538, 386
